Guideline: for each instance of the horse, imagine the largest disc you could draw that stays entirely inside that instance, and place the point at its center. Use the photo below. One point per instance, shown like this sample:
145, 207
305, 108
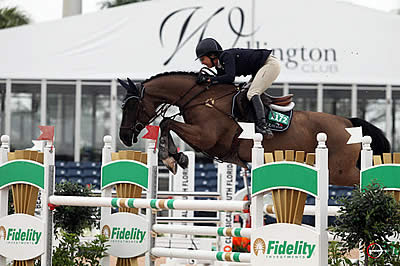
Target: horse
209, 126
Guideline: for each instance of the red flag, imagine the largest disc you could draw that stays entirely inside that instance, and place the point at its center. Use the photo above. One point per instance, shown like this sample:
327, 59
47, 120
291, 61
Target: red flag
152, 133
47, 133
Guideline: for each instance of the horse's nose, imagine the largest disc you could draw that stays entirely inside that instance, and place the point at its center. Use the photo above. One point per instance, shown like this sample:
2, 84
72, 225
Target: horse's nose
125, 135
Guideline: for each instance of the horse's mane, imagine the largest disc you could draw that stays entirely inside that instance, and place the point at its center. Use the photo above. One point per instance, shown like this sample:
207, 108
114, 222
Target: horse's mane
192, 74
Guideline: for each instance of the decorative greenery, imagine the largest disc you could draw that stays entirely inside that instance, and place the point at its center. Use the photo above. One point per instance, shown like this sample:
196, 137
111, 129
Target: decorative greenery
371, 215
114, 3
74, 219
71, 251
11, 17
335, 255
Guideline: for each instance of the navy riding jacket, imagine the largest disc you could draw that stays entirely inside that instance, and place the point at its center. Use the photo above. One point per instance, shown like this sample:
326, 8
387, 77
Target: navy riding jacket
237, 62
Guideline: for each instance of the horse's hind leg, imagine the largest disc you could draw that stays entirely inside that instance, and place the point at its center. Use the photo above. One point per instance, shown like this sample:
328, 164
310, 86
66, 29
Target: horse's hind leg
343, 169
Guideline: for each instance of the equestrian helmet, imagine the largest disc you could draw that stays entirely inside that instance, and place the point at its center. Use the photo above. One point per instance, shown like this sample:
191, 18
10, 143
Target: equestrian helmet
208, 46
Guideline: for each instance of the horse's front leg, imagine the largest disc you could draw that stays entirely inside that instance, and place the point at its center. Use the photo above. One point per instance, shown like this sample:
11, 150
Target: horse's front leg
198, 137
180, 157
168, 152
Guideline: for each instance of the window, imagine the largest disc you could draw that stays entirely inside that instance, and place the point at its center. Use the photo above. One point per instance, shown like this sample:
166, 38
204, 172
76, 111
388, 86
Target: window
61, 114
25, 115
396, 119
95, 120
372, 105
337, 101
305, 97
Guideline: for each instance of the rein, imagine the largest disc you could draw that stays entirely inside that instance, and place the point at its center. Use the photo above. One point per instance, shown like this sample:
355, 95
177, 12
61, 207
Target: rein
211, 103
161, 111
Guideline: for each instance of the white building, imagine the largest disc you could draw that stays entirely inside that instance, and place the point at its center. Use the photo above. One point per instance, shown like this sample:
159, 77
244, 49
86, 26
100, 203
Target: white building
336, 58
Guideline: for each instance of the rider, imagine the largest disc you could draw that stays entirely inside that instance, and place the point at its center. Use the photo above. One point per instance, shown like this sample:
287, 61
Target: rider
230, 63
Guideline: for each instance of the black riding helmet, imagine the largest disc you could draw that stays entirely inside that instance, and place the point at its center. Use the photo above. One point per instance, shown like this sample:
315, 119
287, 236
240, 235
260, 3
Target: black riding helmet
208, 46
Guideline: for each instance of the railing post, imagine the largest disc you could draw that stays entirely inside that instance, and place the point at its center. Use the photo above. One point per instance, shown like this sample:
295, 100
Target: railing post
321, 202
257, 159
106, 158
366, 162
107, 192
366, 153
49, 182
152, 163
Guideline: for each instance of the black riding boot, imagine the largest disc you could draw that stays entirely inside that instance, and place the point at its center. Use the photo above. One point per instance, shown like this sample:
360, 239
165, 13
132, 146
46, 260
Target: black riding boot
261, 124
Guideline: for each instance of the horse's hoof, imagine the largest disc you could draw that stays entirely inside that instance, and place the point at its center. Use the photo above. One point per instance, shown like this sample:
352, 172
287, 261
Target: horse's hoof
171, 164
183, 160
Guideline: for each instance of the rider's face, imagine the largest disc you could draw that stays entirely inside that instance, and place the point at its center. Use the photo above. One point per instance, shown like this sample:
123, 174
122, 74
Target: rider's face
205, 60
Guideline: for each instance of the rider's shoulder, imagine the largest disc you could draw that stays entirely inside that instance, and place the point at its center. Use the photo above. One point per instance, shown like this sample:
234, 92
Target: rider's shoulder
230, 52
236, 51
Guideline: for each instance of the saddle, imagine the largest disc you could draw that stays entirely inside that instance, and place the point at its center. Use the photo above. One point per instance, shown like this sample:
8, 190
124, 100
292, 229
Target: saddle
277, 100
279, 110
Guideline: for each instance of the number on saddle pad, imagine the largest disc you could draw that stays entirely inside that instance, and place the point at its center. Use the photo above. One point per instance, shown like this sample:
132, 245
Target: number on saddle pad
279, 121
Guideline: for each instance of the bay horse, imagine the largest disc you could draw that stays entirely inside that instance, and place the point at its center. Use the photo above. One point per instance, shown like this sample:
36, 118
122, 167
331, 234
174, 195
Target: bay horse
210, 128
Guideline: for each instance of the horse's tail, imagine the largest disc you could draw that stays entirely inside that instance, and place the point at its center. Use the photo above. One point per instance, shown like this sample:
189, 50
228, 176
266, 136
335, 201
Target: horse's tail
380, 144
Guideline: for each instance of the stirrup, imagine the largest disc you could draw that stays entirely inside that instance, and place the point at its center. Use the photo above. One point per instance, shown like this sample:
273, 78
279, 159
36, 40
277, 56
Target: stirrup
264, 130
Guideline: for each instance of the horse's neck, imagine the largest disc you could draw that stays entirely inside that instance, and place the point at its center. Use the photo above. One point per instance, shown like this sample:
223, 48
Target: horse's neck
163, 91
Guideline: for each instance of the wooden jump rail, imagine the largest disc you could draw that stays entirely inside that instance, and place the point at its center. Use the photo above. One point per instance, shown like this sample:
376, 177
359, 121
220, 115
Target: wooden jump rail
388, 158
289, 203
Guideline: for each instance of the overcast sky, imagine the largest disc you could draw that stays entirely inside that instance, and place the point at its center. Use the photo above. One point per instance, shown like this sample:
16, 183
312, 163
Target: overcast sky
44, 10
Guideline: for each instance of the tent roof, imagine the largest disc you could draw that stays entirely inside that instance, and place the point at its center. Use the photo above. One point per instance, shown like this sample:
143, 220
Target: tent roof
330, 42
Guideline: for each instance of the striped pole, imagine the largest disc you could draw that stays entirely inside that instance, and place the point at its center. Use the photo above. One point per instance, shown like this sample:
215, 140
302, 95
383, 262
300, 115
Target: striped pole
201, 254
157, 204
202, 230
308, 210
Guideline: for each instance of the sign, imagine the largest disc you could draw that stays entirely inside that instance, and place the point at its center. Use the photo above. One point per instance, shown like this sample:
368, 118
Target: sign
284, 244
183, 181
21, 237
126, 233
227, 179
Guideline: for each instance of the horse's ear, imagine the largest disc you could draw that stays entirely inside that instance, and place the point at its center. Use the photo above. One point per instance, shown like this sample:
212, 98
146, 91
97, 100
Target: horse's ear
123, 84
130, 86
133, 86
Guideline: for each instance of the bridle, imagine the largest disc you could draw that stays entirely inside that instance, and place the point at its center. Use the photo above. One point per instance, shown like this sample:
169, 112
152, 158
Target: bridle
138, 126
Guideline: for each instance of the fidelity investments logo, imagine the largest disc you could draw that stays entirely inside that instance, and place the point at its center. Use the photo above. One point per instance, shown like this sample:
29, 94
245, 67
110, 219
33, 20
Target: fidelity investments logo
123, 234
19, 235
283, 249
